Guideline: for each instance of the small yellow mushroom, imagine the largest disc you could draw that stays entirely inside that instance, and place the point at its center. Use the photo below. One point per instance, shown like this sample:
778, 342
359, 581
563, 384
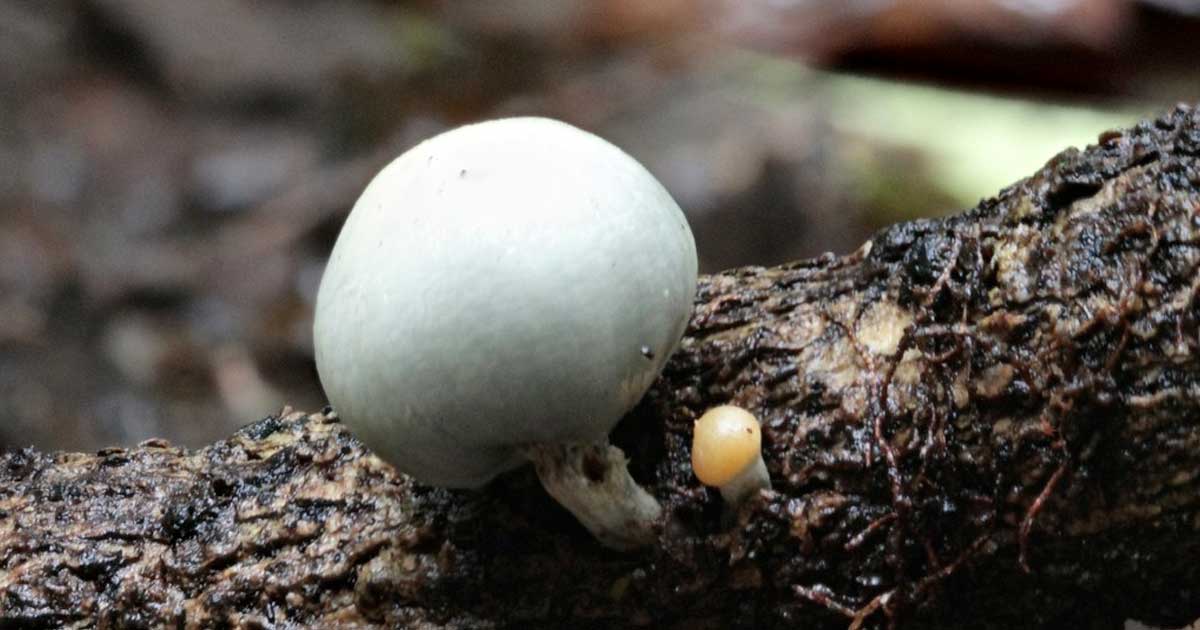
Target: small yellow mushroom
727, 453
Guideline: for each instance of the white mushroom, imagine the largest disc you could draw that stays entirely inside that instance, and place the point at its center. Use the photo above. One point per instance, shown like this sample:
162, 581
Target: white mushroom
727, 454
508, 291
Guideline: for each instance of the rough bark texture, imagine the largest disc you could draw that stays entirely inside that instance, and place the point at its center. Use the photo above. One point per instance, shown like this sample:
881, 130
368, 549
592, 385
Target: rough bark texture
989, 421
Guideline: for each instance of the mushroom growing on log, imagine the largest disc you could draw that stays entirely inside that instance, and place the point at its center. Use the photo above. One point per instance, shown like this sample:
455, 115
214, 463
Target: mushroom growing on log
727, 454
987, 421
506, 292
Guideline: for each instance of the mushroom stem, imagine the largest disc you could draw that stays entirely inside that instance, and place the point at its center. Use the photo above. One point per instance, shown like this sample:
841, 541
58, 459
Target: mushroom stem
746, 484
592, 481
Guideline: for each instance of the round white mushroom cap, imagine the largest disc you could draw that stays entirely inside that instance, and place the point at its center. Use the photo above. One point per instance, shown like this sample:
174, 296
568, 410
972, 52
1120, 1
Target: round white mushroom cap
512, 282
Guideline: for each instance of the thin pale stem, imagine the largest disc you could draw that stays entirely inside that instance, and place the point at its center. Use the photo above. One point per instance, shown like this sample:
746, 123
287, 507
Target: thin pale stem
592, 481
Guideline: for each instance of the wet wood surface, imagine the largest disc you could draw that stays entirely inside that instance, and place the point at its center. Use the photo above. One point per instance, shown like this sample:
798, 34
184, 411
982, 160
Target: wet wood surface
990, 421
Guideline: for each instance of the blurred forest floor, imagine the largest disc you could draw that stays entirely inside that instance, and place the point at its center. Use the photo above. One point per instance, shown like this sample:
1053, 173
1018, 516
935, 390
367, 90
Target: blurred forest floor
172, 173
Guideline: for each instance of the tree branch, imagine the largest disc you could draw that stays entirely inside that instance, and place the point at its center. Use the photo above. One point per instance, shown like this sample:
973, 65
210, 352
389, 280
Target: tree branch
991, 421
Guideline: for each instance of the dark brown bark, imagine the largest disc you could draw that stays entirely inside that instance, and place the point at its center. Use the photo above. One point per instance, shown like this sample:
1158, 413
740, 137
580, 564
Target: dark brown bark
990, 421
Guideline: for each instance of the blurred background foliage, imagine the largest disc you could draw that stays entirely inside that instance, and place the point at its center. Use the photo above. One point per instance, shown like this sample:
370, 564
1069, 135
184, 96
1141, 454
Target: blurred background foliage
173, 173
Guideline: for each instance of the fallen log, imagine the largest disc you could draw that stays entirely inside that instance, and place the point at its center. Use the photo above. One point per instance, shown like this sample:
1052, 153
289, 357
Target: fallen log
989, 421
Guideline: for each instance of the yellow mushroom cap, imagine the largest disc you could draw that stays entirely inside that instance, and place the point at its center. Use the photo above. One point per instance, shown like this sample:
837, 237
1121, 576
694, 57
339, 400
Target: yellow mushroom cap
726, 440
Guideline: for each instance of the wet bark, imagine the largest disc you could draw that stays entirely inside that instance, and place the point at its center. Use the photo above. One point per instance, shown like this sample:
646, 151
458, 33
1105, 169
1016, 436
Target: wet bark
991, 421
